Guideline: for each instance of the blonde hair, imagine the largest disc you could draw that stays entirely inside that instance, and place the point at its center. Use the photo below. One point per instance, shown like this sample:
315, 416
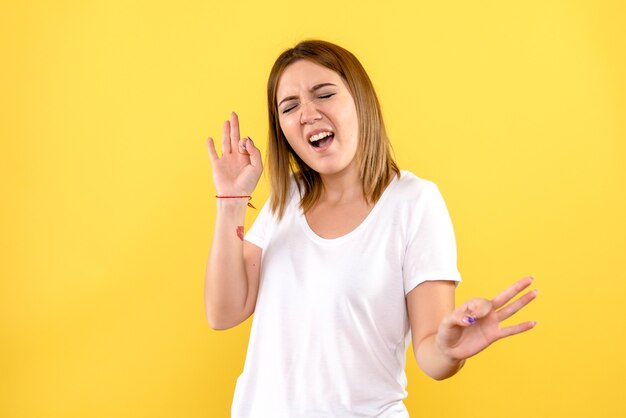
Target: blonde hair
374, 154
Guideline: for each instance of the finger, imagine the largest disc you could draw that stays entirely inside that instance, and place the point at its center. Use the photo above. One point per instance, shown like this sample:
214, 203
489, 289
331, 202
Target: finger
211, 147
226, 138
512, 308
468, 313
234, 131
479, 307
242, 145
510, 292
255, 154
516, 329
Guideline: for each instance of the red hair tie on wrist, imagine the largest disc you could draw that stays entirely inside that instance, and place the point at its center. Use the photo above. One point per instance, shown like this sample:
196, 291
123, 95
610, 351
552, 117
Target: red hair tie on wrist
237, 197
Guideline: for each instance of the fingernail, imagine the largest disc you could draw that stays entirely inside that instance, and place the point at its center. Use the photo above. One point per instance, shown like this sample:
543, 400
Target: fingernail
243, 145
250, 139
469, 320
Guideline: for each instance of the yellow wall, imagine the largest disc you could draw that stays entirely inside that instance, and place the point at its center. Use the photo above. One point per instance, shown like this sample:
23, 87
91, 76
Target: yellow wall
517, 110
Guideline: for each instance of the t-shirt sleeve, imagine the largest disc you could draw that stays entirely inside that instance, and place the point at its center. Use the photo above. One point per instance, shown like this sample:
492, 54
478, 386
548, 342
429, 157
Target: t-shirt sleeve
431, 250
260, 229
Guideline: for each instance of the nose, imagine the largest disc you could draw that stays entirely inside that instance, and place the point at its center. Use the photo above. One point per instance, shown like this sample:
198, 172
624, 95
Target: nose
309, 112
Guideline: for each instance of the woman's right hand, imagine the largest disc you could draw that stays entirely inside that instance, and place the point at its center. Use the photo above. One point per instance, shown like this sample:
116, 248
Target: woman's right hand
238, 171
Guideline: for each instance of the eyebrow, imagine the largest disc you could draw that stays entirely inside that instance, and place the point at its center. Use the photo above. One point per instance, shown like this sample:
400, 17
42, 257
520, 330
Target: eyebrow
314, 88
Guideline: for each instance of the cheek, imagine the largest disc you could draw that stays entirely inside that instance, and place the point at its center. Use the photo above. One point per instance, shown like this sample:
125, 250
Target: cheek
348, 112
286, 125
351, 119
288, 131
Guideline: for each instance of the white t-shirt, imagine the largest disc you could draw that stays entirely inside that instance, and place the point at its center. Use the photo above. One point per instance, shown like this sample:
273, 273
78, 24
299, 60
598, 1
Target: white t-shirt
330, 330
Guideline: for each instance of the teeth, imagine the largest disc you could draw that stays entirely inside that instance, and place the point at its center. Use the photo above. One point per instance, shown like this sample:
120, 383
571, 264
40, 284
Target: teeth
319, 136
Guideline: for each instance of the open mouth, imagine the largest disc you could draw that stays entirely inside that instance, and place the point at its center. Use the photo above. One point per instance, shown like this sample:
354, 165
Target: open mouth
321, 140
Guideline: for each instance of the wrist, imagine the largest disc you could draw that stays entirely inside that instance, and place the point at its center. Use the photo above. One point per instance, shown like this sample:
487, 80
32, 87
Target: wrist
446, 353
231, 209
234, 198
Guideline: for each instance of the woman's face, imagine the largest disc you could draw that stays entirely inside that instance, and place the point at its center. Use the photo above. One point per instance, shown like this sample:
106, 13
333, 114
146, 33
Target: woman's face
318, 117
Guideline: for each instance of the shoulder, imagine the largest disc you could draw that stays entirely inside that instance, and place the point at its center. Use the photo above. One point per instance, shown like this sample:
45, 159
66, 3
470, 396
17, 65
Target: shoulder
420, 207
410, 188
412, 199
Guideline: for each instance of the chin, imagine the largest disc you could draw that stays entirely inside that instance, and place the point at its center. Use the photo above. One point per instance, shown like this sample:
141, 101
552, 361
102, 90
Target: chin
329, 170
331, 165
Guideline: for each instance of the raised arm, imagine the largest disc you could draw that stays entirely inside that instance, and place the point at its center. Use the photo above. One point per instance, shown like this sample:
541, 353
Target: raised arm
232, 273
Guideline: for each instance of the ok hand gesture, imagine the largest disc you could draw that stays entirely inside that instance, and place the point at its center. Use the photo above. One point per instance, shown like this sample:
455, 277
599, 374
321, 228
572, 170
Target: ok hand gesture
238, 171
476, 324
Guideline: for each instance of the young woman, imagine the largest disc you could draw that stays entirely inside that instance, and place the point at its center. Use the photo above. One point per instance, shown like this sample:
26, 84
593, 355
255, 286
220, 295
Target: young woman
348, 261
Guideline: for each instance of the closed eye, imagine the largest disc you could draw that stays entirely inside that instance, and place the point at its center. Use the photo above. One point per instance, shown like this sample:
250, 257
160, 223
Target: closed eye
289, 109
323, 96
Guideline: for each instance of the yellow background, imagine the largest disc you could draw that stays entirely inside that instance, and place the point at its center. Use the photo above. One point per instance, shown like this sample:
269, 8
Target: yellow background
517, 110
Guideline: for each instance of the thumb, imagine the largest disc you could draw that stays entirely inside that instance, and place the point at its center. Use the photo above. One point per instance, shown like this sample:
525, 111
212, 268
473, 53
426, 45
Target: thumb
255, 154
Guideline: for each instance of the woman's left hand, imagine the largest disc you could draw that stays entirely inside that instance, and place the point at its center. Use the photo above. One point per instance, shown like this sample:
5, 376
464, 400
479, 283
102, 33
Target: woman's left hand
475, 325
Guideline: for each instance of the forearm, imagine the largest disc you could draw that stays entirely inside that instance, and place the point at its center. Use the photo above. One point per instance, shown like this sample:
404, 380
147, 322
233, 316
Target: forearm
434, 362
226, 284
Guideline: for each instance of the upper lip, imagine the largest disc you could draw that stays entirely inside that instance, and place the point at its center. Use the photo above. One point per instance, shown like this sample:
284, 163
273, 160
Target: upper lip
308, 135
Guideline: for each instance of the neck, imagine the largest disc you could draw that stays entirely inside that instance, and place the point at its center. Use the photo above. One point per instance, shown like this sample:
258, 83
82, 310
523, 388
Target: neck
341, 187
